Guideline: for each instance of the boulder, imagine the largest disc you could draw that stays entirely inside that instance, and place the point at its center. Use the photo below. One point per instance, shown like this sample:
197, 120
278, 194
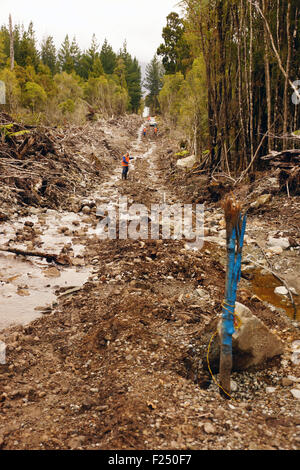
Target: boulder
187, 162
252, 344
261, 201
283, 242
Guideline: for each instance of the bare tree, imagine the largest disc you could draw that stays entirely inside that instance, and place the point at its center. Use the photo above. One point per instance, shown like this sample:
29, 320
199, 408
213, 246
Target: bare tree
11, 39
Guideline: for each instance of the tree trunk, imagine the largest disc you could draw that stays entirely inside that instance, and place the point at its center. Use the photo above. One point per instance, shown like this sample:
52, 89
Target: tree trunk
267, 81
11, 42
288, 61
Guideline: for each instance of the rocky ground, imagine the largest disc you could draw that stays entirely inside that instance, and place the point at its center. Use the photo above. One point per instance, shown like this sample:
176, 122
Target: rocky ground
116, 360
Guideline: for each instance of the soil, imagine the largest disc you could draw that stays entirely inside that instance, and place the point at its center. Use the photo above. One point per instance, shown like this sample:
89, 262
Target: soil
111, 363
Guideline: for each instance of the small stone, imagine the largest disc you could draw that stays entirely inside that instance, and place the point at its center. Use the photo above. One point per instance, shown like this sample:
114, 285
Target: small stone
209, 428
281, 290
285, 381
295, 358
23, 292
219, 413
52, 272
76, 442
270, 389
276, 250
295, 345
233, 386
296, 393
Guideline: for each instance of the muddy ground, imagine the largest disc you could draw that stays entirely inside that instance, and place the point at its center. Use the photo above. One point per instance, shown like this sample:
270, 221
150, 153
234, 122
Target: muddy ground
109, 362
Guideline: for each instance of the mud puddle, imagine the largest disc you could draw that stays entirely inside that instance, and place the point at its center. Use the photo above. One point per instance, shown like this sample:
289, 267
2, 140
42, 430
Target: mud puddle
264, 285
27, 288
28, 284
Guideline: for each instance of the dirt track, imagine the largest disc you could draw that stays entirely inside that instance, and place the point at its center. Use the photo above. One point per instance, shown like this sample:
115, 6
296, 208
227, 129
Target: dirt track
109, 366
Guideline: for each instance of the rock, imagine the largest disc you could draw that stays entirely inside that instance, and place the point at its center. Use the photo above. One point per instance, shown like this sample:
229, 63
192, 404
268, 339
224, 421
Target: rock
219, 413
202, 292
283, 242
76, 442
187, 162
296, 345
270, 389
78, 262
252, 344
260, 201
293, 281
23, 292
296, 393
86, 210
253, 340
281, 290
233, 385
295, 358
285, 381
275, 250
209, 428
52, 272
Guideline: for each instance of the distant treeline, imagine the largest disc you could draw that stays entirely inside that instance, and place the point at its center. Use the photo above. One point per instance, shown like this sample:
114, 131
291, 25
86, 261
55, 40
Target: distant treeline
53, 86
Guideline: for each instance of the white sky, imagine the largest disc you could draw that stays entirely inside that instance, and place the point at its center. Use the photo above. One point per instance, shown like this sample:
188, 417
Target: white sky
140, 22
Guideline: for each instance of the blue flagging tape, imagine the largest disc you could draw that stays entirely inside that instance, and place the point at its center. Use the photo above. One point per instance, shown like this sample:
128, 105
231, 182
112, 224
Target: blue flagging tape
233, 275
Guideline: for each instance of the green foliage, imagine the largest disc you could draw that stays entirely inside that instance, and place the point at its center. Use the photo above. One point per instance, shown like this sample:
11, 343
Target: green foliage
183, 103
175, 51
67, 106
106, 95
13, 89
6, 133
131, 72
97, 68
3, 56
153, 83
52, 84
34, 96
48, 54
67, 87
183, 153
108, 58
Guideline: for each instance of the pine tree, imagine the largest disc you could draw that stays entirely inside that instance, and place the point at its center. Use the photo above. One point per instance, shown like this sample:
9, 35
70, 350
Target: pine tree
153, 83
108, 58
133, 77
26, 52
3, 56
75, 54
48, 53
65, 60
97, 69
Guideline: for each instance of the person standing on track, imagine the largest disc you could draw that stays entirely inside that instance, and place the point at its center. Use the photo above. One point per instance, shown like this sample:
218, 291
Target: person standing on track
144, 132
125, 165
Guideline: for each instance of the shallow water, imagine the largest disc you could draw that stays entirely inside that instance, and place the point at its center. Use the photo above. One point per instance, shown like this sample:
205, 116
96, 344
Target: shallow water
264, 285
23, 284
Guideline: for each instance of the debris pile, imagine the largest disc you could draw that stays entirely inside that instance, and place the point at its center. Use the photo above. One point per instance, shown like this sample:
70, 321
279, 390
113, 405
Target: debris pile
50, 167
287, 162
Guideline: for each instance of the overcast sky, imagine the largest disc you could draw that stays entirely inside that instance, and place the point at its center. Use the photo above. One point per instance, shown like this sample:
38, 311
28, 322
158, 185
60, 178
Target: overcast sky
140, 22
